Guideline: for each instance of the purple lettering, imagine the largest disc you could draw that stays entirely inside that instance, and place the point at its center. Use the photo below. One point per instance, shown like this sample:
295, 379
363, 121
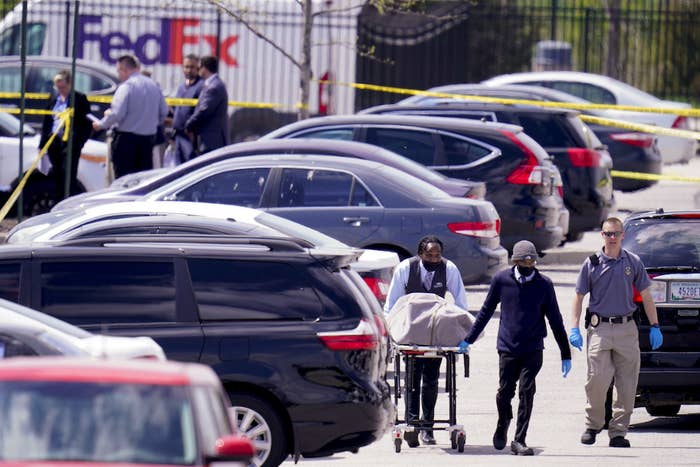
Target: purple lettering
83, 36
141, 52
115, 41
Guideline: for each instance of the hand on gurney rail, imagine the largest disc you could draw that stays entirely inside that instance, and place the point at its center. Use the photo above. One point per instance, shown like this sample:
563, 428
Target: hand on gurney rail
463, 347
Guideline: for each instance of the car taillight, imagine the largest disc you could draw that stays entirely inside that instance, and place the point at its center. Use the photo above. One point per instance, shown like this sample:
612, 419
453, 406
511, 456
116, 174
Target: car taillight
363, 337
476, 229
378, 286
680, 122
688, 215
641, 140
637, 297
529, 172
584, 157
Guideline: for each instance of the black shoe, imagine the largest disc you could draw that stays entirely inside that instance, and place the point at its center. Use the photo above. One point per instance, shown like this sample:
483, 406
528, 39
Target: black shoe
426, 437
500, 436
619, 442
411, 438
588, 436
520, 449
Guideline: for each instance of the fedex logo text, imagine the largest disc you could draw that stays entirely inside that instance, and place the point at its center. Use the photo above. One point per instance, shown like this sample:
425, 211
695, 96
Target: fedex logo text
164, 47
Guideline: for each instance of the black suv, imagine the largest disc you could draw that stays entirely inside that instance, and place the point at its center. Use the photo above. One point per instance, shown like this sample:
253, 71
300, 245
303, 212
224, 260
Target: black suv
669, 245
519, 177
581, 158
296, 337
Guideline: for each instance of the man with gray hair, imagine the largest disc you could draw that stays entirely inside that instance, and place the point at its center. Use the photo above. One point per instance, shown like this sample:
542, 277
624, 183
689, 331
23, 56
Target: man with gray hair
526, 298
138, 107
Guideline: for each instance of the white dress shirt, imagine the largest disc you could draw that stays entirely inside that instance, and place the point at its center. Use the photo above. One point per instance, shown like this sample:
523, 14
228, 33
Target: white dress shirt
397, 289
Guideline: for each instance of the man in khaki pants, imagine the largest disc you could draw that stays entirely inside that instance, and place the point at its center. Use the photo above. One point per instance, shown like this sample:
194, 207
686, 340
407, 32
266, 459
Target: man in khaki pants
612, 335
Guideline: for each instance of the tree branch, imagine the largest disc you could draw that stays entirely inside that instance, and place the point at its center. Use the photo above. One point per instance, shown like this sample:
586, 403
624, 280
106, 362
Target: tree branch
238, 17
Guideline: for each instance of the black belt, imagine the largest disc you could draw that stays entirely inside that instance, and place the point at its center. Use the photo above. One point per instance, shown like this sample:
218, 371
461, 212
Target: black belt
616, 319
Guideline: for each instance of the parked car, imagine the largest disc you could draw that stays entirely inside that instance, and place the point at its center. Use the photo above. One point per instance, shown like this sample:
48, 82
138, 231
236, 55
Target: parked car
584, 164
183, 218
64, 334
631, 151
289, 329
361, 203
601, 89
517, 171
668, 244
90, 79
140, 183
61, 411
91, 166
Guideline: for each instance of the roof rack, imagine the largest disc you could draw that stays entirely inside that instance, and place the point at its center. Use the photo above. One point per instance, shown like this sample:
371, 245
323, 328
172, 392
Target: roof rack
273, 243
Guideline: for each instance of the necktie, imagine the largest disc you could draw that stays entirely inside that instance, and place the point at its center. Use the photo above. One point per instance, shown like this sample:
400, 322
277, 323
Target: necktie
522, 279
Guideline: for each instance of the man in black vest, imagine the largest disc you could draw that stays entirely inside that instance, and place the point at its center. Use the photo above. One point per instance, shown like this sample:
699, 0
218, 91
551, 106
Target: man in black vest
428, 272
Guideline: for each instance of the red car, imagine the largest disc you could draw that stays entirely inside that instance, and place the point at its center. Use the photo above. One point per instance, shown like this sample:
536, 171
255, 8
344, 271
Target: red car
89, 412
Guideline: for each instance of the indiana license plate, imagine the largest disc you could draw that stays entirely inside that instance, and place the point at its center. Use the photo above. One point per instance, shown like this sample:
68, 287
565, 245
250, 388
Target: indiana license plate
685, 291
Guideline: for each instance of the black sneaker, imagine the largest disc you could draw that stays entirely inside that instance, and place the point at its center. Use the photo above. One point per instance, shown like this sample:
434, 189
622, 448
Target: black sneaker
619, 442
520, 449
411, 438
588, 436
426, 437
500, 436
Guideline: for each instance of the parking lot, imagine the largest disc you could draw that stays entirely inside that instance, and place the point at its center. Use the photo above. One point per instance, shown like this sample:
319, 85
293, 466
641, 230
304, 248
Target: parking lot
558, 416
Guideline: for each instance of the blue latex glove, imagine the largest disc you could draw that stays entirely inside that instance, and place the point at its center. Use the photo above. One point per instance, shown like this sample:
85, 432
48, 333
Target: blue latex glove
575, 338
463, 346
565, 367
655, 338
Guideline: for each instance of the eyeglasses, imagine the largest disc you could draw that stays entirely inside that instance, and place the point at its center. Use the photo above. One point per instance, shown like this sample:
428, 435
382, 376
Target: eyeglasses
612, 234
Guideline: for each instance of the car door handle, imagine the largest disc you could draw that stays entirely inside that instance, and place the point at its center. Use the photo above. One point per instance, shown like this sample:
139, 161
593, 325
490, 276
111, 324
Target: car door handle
356, 221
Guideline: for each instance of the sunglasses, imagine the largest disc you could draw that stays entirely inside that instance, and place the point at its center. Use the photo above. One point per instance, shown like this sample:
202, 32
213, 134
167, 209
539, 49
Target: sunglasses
612, 234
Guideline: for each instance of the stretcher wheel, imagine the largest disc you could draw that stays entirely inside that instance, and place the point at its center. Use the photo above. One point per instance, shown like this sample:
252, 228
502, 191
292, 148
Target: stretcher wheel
397, 444
453, 439
461, 441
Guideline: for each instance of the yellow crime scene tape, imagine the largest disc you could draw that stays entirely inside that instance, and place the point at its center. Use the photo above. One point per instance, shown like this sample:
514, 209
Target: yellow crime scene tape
64, 122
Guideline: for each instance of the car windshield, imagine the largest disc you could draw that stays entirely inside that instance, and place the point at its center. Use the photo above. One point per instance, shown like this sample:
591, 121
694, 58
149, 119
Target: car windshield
10, 125
665, 243
91, 422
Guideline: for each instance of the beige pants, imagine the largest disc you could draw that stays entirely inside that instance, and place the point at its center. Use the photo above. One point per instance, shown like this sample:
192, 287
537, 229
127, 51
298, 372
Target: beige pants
613, 351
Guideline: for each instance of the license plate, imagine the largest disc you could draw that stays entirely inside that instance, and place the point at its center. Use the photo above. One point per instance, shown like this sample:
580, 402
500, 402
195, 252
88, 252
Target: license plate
685, 291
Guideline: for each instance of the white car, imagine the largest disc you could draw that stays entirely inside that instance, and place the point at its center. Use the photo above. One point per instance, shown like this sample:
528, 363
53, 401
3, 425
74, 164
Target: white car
91, 167
96, 345
374, 266
601, 89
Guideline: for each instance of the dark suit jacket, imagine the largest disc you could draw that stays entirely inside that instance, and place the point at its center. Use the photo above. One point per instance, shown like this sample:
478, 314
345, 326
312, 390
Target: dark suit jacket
209, 122
82, 126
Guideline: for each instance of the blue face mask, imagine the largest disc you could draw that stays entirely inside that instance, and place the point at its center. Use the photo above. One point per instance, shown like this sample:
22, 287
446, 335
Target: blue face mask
524, 270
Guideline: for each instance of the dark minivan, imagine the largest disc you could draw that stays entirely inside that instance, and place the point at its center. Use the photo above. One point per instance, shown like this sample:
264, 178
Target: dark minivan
582, 160
295, 336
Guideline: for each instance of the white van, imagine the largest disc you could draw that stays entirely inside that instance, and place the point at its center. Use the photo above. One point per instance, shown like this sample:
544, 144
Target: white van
161, 32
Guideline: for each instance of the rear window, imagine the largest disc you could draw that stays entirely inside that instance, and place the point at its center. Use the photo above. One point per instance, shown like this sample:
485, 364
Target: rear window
549, 130
252, 290
96, 292
535, 147
662, 243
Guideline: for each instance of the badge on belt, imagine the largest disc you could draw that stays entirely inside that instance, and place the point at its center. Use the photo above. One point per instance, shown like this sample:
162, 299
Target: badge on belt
595, 320
628, 270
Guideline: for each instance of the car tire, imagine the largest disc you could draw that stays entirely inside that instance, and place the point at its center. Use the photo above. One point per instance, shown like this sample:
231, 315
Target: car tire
257, 420
663, 410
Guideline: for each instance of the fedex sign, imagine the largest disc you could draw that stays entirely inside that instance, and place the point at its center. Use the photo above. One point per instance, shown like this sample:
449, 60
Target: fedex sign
163, 47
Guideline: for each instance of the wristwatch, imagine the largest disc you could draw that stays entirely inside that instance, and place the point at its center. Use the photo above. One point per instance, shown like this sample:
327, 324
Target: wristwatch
655, 325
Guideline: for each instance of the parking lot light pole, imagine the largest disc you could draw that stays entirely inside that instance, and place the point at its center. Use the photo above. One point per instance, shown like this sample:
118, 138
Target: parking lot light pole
71, 133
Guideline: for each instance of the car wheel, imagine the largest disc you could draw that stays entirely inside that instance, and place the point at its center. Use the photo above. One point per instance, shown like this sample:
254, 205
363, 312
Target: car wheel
663, 410
259, 422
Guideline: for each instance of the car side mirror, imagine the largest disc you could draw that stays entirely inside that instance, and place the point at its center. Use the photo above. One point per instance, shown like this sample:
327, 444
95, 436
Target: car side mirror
232, 448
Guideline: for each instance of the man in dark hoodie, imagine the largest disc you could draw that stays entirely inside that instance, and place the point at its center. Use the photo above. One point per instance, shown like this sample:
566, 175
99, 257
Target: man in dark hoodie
526, 297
